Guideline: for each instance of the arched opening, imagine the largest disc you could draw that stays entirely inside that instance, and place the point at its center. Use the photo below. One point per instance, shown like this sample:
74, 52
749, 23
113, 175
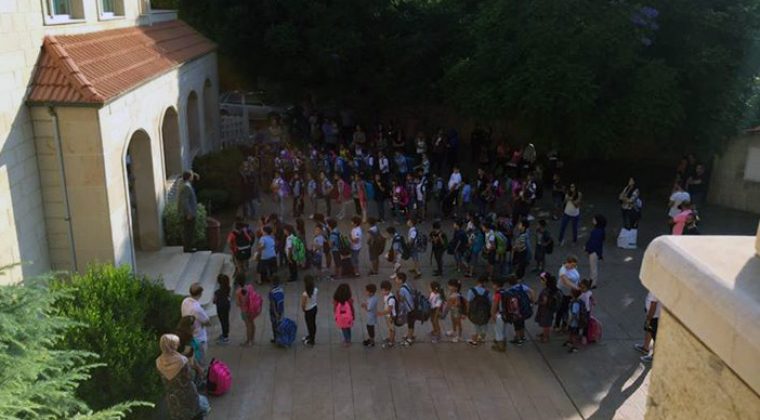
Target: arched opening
193, 124
210, 109
143, 203
172, 144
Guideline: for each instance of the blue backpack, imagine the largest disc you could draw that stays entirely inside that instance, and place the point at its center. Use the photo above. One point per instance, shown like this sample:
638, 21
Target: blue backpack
286, 332
369, 190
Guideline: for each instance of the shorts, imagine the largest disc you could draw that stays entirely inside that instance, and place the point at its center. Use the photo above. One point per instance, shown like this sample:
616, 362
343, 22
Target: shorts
574, 330
653, 327
389, 323
411, 318
519, 324
491, 257
246, 316
414, 255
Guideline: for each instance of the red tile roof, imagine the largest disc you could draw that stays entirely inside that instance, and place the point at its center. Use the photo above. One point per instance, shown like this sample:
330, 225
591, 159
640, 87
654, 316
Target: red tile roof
96, 67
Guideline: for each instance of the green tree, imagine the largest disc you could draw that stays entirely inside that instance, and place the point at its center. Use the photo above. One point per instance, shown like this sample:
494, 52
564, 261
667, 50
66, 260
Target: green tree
39, 380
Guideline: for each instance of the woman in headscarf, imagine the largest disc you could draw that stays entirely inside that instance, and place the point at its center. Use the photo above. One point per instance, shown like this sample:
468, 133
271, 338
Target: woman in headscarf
182, 399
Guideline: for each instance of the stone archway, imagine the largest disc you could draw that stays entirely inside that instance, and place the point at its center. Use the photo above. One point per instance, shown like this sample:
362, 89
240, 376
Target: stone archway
193, 124
143, 201
210, 110
172, 144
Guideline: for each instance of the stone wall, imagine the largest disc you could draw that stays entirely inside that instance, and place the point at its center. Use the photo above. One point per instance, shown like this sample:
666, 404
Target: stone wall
727, 184
691, 382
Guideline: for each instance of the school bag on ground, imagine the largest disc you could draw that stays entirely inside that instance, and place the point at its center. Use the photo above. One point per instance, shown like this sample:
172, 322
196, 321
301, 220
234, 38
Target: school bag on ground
593, 330
299, 250
286, 332
219, 379
344, 315
479, 308
627, 238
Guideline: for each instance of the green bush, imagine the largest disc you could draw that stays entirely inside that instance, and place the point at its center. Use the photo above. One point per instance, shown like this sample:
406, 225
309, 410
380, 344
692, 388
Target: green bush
213, 198
174, 225
219, 171
121, 318
40, 380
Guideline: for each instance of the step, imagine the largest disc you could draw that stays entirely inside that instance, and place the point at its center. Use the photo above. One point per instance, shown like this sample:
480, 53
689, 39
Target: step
174, 266
193, 272
208, 278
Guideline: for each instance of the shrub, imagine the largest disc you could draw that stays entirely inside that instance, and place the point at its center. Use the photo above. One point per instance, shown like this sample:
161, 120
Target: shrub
174, 225
121, 318
39, 381
213, 198
219, 171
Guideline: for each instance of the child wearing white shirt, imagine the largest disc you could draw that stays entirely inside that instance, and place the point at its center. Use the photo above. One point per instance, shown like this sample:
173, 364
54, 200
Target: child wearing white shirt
436, 305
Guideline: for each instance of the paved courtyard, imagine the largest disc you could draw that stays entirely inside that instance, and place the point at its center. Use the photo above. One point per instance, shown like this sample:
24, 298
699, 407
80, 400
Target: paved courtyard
456, 381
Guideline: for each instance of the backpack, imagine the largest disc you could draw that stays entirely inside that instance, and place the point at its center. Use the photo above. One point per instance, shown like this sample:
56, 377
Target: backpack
593, 330
344, 315
421, 304
286, 332
376, 243
254, 301
344, 246
405, 251
219, 378
501, 243
243, 244
299, 250
346, 191
526, 310
402, 312
555, 301
549, 247
479, 308
421, 242
510, 306
369, 190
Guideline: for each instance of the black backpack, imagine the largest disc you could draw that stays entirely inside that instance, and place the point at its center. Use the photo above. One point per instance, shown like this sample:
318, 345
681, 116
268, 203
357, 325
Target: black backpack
243, 243
479, 310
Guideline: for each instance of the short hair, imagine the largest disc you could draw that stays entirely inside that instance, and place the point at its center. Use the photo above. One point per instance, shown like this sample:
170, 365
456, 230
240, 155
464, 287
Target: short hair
267, 230
275, 279
196, 289
391, 230
483, 279
542, 223
585, 283
401, 276
513, 279
386, 285
371, 220
356, 220
499, 281
455, 283
571, 259
371, 288
332, 223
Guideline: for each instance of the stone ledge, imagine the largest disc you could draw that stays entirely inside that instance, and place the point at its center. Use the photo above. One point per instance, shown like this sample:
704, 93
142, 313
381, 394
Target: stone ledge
711, 284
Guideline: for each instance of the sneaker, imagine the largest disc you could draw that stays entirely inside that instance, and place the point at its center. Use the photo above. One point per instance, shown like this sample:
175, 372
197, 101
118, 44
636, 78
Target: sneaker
371, 344
406, 342
223, 341
473, 342
455, 340
641, 349
647, 359
449, 333
387, 344
304, 339
573, 350
366, 342
515, 341
434, 339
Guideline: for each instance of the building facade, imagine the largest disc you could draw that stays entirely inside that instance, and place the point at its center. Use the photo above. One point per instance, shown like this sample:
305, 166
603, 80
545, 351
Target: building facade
735, 177
102, 103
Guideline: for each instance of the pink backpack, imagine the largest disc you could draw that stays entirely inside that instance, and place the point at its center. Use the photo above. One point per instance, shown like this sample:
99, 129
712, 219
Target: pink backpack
219, 378
344, 317
255, 302
593, 330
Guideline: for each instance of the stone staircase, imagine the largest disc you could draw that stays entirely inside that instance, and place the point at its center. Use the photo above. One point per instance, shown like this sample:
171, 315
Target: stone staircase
178, 270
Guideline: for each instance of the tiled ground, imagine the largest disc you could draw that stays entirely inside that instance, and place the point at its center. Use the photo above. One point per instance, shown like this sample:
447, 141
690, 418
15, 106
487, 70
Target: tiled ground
455, 381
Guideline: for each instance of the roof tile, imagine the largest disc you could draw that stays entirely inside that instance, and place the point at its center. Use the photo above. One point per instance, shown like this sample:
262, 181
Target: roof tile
95, 67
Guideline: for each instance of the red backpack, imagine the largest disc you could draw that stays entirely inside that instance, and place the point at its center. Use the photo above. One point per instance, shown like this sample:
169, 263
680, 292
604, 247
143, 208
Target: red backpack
344, 315
219, 378
254, 302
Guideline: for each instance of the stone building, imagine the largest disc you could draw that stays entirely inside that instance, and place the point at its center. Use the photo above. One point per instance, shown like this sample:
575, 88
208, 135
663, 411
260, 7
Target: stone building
102, 102
735, 178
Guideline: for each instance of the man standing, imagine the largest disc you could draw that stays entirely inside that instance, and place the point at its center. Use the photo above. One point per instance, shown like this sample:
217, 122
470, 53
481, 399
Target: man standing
187, 207
568, 279
191, 307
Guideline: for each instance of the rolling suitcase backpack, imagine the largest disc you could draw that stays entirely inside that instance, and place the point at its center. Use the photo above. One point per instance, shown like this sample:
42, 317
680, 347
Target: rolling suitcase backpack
219, 378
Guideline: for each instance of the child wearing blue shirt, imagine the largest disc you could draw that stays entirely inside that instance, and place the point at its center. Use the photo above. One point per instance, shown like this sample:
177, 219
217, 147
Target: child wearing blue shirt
276, 306
370, 306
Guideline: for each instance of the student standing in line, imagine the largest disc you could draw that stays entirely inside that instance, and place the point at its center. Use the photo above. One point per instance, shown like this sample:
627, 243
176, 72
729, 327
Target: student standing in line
343, 309
222, 302
309, 307
370, 306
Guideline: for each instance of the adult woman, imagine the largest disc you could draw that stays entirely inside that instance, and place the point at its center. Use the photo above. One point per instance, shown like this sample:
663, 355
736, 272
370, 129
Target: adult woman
309, 308
381, 194
595, 246
630, 204
572, 213
182, 399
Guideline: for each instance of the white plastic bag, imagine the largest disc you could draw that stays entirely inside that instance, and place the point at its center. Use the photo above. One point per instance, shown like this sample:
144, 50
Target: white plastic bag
627, 238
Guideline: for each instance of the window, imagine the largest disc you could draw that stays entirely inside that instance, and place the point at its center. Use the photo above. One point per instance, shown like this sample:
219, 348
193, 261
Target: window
752, 167
63, 11
111, 8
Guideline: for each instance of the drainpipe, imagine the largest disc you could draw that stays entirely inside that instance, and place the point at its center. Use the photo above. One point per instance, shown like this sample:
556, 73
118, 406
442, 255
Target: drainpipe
64, 186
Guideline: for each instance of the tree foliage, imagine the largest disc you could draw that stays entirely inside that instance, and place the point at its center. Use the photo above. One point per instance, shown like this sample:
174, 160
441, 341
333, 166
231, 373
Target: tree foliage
596, 78
39, 379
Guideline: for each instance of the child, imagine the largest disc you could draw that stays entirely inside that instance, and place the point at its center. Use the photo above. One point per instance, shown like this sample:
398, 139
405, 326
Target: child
276, 306
455, 307
516, 286
587, 299
222, 302
370, 305
343, 309
544, 245
309, 307
549, 301
479, 310
243, 301
575, 321
436, 305
389, 313
318, 247
497, 309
